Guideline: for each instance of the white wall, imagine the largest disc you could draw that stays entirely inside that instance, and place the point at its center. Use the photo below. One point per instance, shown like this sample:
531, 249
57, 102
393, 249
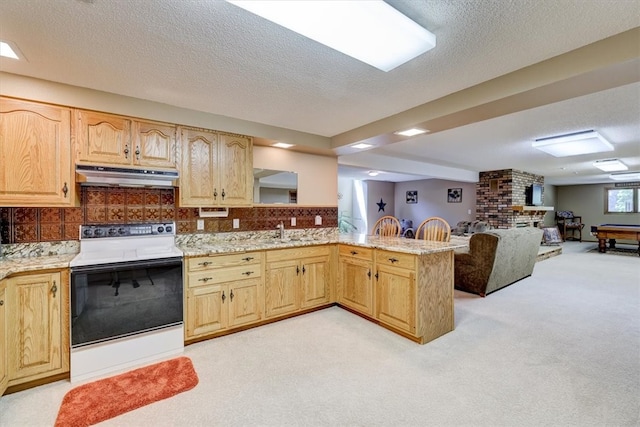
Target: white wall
376, 191
432, 201
589, 202
317, 175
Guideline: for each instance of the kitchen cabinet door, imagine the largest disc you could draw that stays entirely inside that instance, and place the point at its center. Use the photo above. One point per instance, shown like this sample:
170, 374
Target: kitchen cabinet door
37, 317
207, 309
281, 287
315, 281
395, 297
198, 173
104, 139
235, 170
245, 302
35, 154
4, 366
155, 144
355, 286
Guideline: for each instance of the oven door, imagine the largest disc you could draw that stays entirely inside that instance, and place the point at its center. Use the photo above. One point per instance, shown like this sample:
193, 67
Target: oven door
110, 301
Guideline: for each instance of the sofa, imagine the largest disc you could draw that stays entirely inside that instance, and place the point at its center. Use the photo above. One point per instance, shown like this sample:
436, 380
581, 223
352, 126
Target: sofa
496, 258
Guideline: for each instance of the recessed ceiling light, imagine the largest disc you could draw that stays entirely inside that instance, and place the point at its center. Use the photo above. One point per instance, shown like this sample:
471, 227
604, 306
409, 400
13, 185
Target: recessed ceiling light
370, 31
411, 132
373, 173
625, 176
8, 51
610, 165
573, 144
282, 145
361, 146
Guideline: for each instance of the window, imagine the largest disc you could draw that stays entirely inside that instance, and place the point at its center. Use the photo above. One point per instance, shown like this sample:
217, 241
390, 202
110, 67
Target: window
622, 200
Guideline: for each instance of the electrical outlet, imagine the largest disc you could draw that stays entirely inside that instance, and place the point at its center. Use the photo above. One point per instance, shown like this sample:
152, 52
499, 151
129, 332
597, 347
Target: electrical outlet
236, 223
318, 220
293, 221
200, 224
469, 211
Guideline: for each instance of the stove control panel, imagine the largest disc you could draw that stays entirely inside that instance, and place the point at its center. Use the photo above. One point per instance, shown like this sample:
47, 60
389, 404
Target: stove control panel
127, 230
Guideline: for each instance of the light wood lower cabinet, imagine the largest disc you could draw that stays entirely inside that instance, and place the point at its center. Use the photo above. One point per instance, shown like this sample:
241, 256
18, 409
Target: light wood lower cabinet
410, 294
296, 279
4, 366
223, 292
37, 325
396, 289
355, 287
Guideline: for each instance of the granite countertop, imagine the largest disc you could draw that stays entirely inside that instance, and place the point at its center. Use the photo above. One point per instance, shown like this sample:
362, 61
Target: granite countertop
21, 265
34, 259
398, 244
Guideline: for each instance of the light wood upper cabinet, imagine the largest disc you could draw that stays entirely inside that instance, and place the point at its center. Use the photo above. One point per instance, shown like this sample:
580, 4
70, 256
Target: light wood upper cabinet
216, 169
35, 154
104, 138
235, 168
37, 317
155, 144
198, 175
4, 366
107, 139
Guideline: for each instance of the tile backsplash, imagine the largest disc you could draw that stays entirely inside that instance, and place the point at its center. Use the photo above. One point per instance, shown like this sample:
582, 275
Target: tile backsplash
111, 205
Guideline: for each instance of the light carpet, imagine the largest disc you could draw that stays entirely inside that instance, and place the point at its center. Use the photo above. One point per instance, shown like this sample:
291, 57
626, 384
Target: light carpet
560, 348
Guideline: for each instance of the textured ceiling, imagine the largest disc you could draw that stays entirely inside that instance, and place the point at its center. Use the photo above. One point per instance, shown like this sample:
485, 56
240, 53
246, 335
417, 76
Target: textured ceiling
211, 56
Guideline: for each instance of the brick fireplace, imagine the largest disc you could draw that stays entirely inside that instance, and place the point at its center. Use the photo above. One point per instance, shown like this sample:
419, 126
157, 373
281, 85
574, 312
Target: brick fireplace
501, 197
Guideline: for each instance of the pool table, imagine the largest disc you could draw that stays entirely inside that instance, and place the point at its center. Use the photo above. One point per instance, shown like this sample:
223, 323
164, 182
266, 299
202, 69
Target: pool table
613, 232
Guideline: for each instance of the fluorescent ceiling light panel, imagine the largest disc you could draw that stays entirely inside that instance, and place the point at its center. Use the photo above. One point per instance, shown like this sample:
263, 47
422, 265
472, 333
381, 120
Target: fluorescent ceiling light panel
411, 132
610, 165
370, 31
361, 146
282, 145
573, 144
625, 176
7, 51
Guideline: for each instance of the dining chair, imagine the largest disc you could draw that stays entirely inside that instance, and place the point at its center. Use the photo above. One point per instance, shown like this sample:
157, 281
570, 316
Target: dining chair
434, 228
387, 226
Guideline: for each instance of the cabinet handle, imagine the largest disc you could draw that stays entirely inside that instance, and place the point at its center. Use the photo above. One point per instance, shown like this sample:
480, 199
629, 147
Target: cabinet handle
65, 189
354, 253
223, 297
297, 270
376, 276
249, 258
393, 260
54, 289
369, 274
126, 151
137, 153
215, 193
231, 296
223, 194
205, 279
204, 263
303, 269
1, 302
248, 273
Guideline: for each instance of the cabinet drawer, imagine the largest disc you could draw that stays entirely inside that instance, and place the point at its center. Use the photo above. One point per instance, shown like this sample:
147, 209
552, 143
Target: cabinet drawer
297, 253
206, 263
356, 252
229, 274
396, 259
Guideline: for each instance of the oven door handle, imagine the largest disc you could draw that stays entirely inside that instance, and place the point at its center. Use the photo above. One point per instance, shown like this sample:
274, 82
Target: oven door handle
147, 263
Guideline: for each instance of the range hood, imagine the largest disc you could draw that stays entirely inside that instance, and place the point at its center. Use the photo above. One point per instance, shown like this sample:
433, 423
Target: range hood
125, 177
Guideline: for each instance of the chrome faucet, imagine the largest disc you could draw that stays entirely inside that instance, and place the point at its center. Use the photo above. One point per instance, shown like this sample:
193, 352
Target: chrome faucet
280, 228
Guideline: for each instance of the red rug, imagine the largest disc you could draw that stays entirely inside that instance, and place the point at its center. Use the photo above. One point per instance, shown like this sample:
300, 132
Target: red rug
91, 403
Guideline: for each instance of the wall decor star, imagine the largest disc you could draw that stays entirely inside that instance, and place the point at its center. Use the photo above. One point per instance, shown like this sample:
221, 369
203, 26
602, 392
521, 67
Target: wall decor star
381, 205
